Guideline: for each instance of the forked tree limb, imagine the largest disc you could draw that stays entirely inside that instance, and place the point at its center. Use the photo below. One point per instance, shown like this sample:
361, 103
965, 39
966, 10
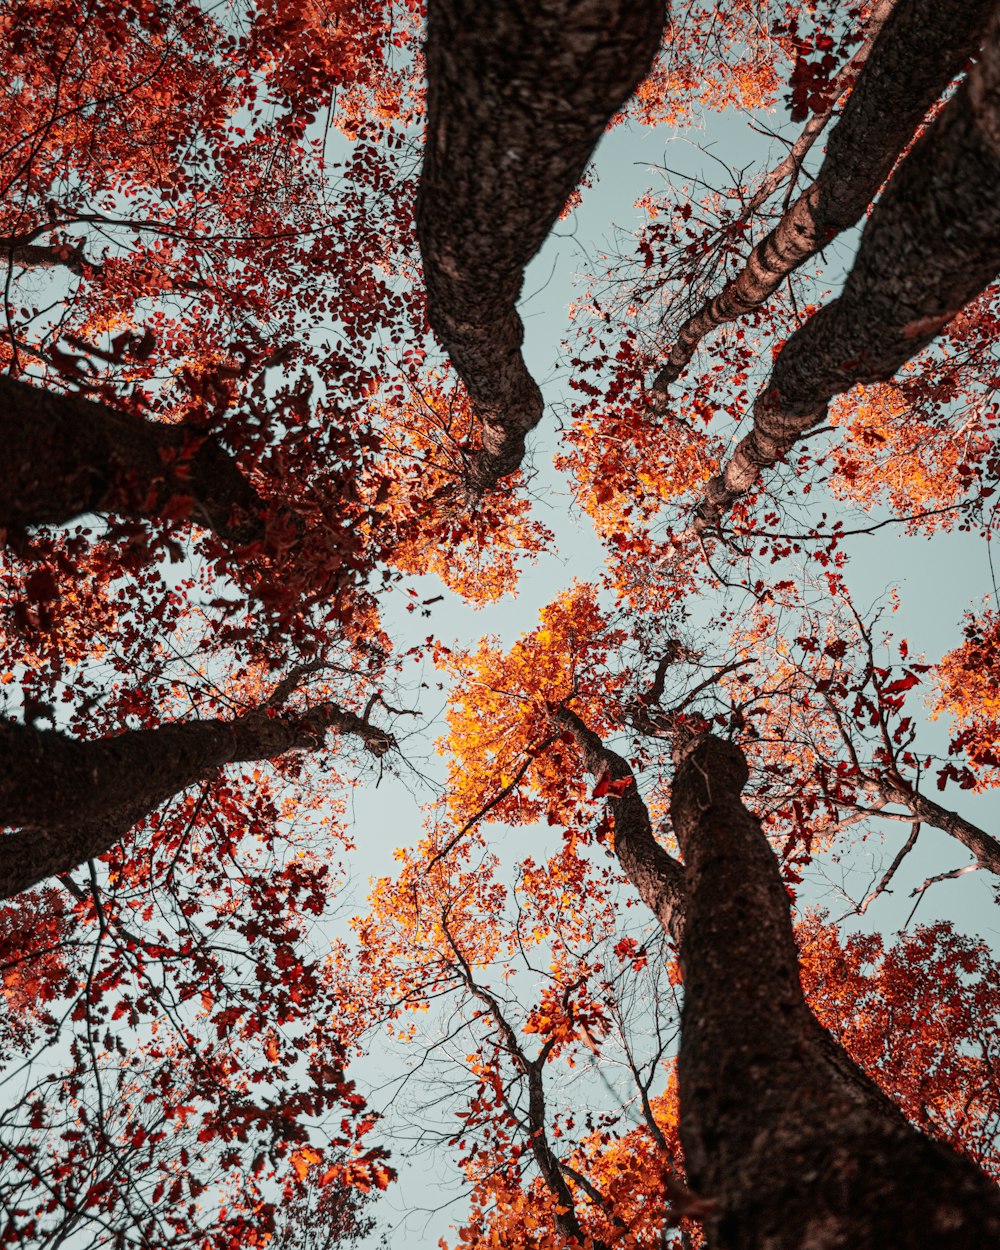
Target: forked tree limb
798, 1148
931, 245
786, 1141
518, 95
71, 801
535, 1121
921, 47
886, 879
65, 456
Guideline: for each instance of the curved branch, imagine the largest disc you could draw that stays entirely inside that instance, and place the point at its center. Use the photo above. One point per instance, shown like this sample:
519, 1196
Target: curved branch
657, 876
547, 1161
518, 96
984, 846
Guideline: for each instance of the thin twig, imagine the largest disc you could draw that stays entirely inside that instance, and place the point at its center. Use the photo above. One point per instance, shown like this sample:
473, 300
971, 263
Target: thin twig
941, 876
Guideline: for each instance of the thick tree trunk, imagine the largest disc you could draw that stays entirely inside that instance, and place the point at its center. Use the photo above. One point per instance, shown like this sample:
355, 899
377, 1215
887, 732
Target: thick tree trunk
64, 456
931, 245
656, 875
72, 801
922, 47
518, 95
840, 85
797, 1148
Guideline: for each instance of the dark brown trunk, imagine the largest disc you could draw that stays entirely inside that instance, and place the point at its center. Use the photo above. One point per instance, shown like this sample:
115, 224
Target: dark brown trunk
72, 801
518, 95
922, 47
64, 456
797, 1148
790, 164
931, 245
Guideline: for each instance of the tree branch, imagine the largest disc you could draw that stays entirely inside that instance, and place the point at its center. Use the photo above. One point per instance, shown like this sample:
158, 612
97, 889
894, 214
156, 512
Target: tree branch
843, 82
883, 885
657, 876
65, 456
72, 801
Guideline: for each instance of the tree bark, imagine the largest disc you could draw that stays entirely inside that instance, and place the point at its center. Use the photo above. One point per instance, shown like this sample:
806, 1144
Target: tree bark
931, 245
64, 456
656, 875
518, 96
797, 1148
73, 801
921, 48
790, 164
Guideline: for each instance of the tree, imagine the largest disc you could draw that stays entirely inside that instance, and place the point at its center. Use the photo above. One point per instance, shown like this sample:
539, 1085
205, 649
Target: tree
240, 419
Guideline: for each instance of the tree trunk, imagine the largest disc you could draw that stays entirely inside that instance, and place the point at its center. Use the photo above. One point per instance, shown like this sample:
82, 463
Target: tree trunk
518, 95
64, 456
922, 47
73, 801
795, 1146
931, 245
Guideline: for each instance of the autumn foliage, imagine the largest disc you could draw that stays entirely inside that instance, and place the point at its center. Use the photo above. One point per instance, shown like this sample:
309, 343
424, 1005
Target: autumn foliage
270, 431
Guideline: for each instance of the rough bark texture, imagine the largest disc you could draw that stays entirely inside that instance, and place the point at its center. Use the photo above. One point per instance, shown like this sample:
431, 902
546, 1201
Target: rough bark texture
921, 48
518, 94
931, 245
798, 1149
657, 876
790, 164
64, 456
72, 801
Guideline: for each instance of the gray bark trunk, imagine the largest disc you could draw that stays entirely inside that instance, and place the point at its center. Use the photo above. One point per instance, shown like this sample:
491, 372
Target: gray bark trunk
49, 256
931, 245
922, 47
518, 96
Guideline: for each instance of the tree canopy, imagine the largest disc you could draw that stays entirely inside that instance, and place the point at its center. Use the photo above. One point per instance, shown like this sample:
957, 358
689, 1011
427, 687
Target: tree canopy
638, 972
